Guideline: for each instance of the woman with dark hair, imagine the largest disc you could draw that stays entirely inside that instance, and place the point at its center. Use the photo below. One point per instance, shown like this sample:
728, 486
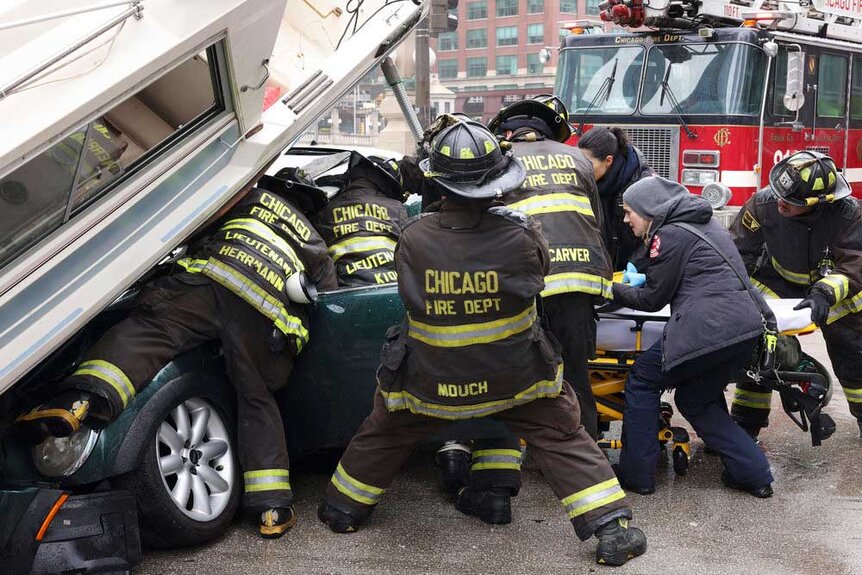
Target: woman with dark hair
617, 165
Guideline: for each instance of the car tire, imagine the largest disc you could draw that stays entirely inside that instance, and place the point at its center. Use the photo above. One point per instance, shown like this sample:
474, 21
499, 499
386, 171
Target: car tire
188, 485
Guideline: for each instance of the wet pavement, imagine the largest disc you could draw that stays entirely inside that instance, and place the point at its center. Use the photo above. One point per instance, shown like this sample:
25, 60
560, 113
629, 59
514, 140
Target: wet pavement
694, 525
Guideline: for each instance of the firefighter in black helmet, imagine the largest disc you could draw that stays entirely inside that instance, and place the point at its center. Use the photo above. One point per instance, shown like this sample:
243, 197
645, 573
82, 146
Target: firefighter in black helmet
802, 238
362, 222
244, 285
560, 192
473, 345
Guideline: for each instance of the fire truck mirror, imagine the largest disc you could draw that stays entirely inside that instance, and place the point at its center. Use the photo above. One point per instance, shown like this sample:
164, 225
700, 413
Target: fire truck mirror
544, 55
794, 99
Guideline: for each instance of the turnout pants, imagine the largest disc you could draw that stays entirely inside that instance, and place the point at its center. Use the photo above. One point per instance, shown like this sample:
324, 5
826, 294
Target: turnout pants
751, 402
570, 460
175, 314
699, 386
572, 321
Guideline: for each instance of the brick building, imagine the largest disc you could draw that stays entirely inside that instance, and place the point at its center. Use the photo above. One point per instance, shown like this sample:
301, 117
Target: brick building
492, 59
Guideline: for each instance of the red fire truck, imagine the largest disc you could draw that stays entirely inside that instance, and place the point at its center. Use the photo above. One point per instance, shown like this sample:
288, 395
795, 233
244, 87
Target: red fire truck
715, 93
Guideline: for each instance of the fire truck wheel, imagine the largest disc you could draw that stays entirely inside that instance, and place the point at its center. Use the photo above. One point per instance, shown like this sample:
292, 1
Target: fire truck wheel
188, 486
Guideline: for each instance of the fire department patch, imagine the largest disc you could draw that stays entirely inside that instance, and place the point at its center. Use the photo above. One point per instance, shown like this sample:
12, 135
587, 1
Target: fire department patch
655, 247
749, 221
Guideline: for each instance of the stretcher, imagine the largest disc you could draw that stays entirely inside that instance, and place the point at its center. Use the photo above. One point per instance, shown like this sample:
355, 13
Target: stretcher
622, 333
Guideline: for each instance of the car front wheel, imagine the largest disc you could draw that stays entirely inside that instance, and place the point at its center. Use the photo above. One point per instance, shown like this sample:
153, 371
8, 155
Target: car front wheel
187, 486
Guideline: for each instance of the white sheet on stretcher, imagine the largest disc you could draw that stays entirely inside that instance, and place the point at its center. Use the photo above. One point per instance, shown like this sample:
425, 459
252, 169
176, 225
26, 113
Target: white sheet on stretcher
616, 329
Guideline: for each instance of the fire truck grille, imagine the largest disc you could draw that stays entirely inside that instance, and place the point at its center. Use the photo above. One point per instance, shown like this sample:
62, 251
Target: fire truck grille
660, 146
819, 149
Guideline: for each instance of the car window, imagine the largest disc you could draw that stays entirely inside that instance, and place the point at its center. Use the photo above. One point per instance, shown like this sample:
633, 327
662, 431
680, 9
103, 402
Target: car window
49, 190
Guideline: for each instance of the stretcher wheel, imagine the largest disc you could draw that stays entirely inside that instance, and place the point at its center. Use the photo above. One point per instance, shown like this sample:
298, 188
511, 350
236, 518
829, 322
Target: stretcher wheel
680, 460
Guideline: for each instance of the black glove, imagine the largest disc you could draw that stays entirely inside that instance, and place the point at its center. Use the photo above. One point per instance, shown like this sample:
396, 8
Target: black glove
819, 305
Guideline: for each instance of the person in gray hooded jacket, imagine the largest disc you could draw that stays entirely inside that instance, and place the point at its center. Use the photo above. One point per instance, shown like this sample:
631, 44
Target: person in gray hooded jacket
714, 326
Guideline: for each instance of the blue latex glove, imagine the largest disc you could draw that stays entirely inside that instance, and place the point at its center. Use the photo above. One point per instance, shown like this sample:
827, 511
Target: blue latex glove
632, 277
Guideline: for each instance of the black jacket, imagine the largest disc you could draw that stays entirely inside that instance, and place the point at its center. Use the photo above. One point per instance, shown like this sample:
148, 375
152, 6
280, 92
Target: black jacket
625, 171
787, 257
711, 308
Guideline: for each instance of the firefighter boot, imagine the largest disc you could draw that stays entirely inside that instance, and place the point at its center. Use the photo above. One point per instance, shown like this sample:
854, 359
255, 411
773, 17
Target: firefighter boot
60, 417
453, 460
275, 522
618, 542
341, 519
493, 506
763, 492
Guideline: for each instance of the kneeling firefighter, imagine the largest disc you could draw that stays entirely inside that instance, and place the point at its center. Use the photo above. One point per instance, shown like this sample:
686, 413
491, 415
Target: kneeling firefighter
802, 238
473, 345
363, 221
241, 286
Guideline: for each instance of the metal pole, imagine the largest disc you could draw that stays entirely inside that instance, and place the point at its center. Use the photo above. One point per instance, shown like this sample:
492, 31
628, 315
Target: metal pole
135, 11
423, 73
75, 12
393, 78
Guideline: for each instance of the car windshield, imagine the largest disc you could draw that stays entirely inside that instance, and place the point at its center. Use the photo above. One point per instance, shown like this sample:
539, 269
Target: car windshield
726, 79
606, 77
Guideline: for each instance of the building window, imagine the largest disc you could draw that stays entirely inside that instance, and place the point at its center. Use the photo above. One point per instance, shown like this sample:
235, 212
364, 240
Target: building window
447, 69
477, 67
535, 33
535, 6
447, 42
507, 8
569, 6
477, 10
592, 7
534, 65
512, 98
507, 65
54, 187
447, 107
477, 38
507, 36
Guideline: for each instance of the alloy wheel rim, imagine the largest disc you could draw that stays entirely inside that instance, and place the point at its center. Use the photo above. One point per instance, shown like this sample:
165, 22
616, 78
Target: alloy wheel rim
195, 459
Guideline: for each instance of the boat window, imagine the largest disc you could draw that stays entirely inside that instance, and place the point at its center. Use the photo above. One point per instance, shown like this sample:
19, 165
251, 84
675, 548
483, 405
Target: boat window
55, 186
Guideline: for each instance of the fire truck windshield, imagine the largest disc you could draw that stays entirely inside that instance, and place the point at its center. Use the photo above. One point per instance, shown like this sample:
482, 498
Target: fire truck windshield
724, 79
705, 78
586, 73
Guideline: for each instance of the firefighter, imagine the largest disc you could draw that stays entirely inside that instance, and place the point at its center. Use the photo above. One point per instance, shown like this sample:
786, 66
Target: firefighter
801, 237
362, 222
240, 287
617, 164
716, 321
560, 192
473, 345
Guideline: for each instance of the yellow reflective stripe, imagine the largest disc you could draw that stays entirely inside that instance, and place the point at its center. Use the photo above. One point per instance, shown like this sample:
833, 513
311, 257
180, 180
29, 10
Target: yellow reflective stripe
753, 399
252, 294
355, 489
496, 459
265, 234
853, 395
110, 374
577, 282
792, 277
398, 400
471, 333
765, 291
266, 480
849, 305
594, 497
552, 203
839, 284
360, 244
192, 265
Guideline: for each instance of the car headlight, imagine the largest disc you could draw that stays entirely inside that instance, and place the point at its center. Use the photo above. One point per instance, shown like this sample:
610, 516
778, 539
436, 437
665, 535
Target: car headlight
63, 456
699, 177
